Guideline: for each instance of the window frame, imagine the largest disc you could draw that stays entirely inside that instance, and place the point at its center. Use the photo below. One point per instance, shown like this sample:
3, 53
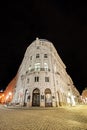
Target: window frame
45, 55
37, 55
46, 79
36, 79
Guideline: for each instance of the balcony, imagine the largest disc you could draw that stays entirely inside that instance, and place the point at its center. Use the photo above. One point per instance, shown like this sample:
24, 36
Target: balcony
38, 70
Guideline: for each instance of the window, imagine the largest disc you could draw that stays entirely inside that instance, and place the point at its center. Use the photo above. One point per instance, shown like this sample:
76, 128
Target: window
45, 66
37, 55
29, 68
22, 77
27, 80
46, 79
38, 47
37, 66
45, 56
31, 58
36, 79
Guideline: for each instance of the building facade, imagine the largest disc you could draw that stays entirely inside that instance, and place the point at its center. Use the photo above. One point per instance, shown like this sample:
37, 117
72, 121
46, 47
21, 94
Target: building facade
42, 78
84, 96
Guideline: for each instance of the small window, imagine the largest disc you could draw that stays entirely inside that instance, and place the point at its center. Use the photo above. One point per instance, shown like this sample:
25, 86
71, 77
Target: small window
31, 58
46, 79
27, 80
37, 79
37, 55
38, 47
45, 56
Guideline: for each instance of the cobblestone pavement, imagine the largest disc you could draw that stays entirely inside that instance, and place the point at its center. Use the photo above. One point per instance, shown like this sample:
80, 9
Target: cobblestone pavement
66, 118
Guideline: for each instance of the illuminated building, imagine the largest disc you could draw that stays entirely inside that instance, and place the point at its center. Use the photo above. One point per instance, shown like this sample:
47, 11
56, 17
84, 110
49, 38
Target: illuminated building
42, 78
84, 96
1, 97
8, 93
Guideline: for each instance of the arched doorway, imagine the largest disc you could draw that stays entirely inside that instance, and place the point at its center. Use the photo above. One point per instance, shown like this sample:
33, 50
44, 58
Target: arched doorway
36, 97
25, 97
48, 98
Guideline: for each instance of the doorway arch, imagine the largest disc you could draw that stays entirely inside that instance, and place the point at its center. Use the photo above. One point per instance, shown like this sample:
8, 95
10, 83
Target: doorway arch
48, 98
36, 97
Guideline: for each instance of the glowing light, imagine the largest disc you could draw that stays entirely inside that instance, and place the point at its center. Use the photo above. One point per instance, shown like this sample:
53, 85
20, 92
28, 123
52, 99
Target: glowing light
68, 93
73, 101
10, 93
7, 97
2, 95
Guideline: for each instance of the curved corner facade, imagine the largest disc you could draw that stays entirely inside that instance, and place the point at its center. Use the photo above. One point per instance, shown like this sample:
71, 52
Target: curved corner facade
42, 78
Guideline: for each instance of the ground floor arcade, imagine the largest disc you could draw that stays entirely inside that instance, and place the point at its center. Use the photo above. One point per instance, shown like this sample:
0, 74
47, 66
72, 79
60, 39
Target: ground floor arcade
45, 99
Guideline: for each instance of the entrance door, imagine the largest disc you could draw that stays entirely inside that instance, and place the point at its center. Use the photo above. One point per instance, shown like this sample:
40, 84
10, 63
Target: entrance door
36, 97
48, 98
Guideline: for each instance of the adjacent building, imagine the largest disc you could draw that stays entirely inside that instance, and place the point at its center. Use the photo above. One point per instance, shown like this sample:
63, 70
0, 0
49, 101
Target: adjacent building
42, 79
1, 97
7, 96
84, 96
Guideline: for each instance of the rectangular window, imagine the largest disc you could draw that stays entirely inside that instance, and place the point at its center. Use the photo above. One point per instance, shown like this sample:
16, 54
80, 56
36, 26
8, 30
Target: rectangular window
45, 56
37, 55
46, 79
36, 79
38, 47
31, 58
45, 66
27, 80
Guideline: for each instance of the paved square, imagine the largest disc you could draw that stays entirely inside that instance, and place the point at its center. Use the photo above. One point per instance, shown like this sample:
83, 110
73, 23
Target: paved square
66, 118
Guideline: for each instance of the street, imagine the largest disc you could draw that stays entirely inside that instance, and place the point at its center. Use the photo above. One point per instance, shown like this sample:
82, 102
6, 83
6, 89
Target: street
62, 118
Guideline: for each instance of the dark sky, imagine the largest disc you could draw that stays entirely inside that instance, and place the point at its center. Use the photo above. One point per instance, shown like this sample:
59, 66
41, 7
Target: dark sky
63, 23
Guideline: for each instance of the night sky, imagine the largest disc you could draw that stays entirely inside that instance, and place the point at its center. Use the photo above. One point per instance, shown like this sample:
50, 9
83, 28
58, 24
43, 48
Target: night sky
62, 23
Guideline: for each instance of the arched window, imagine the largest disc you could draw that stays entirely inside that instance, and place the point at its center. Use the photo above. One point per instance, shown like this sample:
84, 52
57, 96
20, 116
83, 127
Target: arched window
48, 97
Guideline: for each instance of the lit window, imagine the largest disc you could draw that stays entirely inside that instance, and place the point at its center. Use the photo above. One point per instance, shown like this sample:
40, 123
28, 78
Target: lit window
46, 79
37, 66
37, 55
29, 68
36, 79
45, 66
45, 56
